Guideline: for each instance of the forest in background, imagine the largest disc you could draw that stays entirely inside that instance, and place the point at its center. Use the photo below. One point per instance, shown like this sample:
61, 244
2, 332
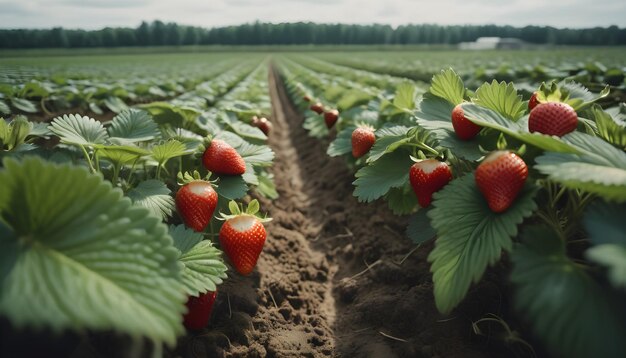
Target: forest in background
158, 33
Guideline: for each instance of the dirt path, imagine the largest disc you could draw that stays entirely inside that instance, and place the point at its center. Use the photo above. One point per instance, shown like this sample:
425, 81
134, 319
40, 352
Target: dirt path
312, 294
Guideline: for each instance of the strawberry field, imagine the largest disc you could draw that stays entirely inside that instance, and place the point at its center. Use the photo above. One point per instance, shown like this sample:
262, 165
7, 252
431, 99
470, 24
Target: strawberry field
354, 204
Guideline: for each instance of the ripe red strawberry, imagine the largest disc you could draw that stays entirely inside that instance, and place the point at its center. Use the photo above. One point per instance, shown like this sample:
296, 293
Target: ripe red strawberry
196, 202
317, 108
363, 139
500, 177
242, 237
221, 158
330, 117
427, 177
533, 102
199, 310
463, 128
553, 118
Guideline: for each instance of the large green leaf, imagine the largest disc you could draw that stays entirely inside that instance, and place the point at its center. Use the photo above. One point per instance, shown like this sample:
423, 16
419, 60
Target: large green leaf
502, 98
470, 236
599, 169
375, 180
204, 267
266, 186
4, 107
607, 229
314, 123
80, 256
405, 96
115, 104
611, 128
121, 154
449, 86
74, 129
574, 315
24, 105
154, 196
257, 155
134, 125
401, 200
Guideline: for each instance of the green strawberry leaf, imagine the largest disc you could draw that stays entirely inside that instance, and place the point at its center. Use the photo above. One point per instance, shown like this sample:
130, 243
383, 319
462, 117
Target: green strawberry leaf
257, 155
611, 127
375, 180
121, 154
4, 107
420, 229
232, 187
342, 144
352, 98
449, 86
74, 129
402, 200
486, 117
24, 105
574, 315
606, 227
405, 96
134, 125
470, 236
266, 186
168, 150
388, 140
579, 97
599, 169
71, 235
115, 104
154, 196
204, 268
314, 123
502, 98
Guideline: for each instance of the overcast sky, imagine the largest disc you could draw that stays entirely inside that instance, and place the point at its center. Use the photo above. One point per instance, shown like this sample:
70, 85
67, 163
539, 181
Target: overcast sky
95, 14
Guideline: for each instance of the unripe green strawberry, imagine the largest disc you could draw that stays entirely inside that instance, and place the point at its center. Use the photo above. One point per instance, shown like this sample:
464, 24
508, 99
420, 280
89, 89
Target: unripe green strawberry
500, 178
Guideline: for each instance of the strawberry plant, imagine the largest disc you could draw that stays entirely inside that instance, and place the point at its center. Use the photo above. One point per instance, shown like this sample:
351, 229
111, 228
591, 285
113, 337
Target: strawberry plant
535, 206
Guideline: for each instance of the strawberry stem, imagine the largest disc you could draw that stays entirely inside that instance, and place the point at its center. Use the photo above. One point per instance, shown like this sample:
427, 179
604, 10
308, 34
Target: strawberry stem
424, 147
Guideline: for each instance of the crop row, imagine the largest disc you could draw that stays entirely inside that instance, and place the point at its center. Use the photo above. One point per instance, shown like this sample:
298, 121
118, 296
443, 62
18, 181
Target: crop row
115, 226
491, 172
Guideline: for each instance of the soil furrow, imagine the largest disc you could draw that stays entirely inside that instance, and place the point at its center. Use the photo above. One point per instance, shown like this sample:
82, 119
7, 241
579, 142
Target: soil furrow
334, 278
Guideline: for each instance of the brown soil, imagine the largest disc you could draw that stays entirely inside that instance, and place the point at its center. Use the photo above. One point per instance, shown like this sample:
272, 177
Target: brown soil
336, 277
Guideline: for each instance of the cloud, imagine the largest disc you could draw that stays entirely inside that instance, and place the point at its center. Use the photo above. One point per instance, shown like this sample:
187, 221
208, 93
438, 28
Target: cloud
94, 14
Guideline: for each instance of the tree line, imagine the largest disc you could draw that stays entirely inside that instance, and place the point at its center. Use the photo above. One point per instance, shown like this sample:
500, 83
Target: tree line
159, 33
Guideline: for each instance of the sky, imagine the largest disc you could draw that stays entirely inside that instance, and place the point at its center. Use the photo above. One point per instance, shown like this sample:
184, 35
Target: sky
96, 14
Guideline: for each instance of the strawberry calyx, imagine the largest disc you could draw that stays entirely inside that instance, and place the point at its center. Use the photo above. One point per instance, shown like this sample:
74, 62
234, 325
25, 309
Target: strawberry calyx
186, 178
237, 210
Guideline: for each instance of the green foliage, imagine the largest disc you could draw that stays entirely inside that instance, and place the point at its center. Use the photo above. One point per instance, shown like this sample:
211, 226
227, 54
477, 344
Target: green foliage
342, 144
449, 86
600, 168
502, 98
401, 200
74, 129
24, 105
204, 268
420, 229
168, 150
405, 97
388, 140
232, 187
470, 237
14, 134
611, 128
154, 196
606, 227
134, 125
71, 235
574, 315
375, 180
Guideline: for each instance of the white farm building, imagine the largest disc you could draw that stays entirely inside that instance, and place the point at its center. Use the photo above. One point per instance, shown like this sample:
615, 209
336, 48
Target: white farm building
492, 43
